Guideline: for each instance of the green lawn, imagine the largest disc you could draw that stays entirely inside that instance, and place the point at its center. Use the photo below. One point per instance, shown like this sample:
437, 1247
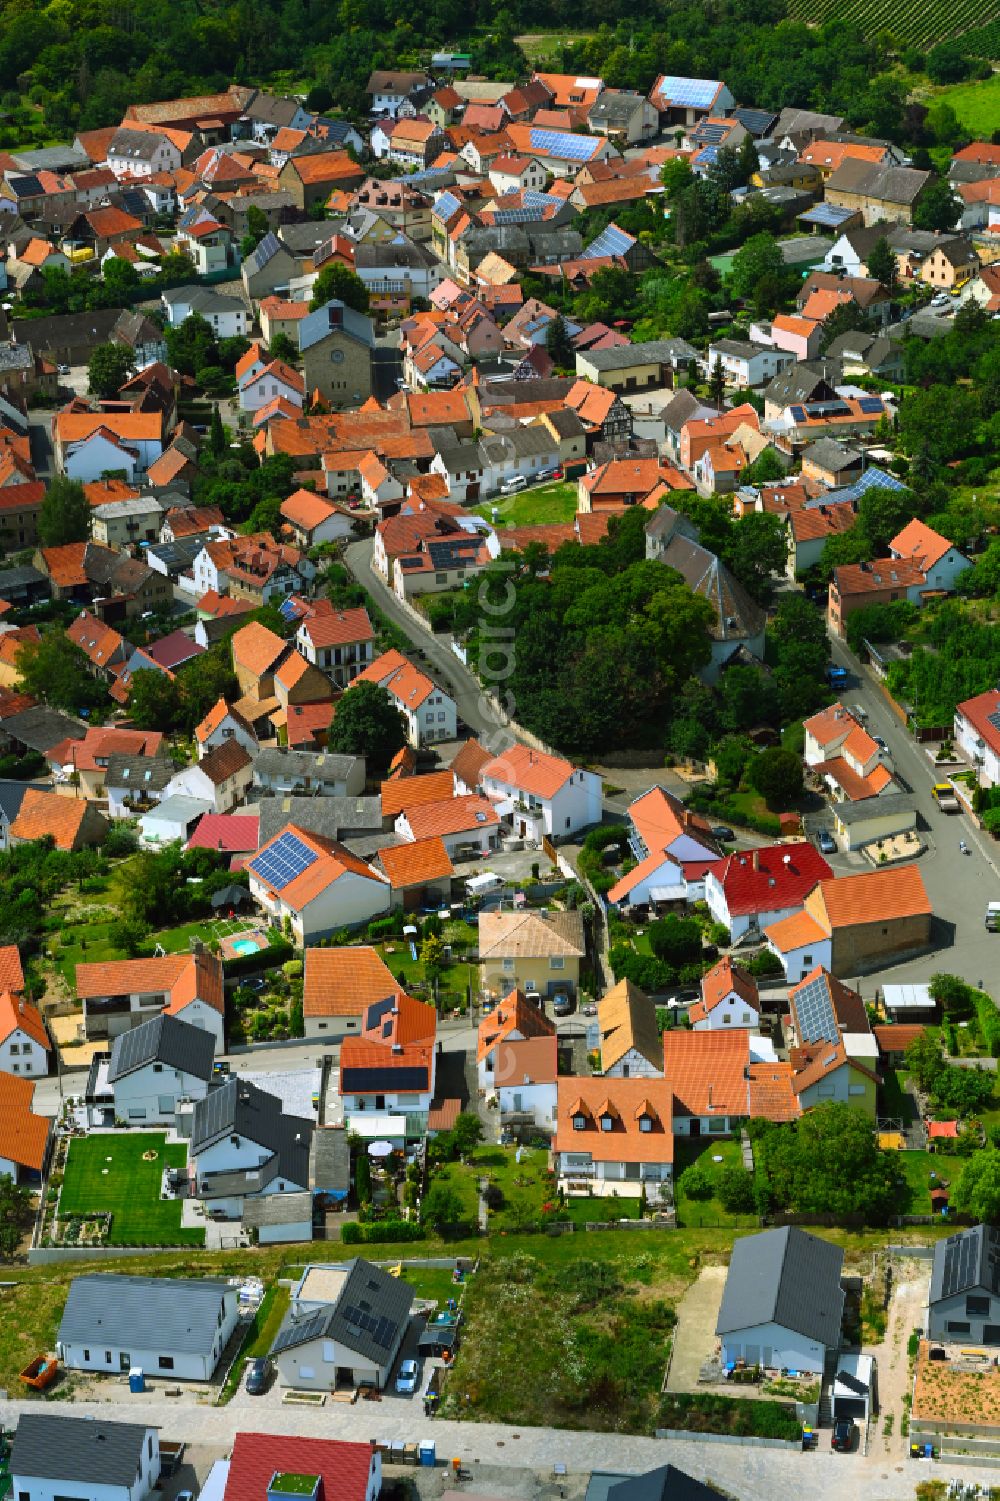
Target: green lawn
535, 506
410, 972
894, 1104
977, 105
917, 1168
698, 1212
107, 1174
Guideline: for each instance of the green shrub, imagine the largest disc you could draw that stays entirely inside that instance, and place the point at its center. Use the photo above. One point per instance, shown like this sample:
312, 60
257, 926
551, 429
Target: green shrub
695, 1183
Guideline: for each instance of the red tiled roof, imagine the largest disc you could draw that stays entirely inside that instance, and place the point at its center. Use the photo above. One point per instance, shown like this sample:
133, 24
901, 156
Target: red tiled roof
343, 1468
230, 833
707, 1071
24, 1136
626, 1101
766, 880
345, 981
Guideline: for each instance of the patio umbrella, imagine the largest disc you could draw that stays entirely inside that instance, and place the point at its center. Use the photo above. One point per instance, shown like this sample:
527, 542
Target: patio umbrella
380, 1149
230, 896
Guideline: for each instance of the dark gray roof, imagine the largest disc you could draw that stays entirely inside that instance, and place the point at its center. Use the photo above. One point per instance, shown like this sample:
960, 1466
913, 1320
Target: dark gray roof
889, 802
785, 1277
163, 1039
665, 1483
302, 239
84, 1451
12, 796
681, 407
801, 382
319, 766
332, 817
369, 1317
170, 1313
737, 616
41, 728
393, 254
239, 1108
615, 107
829, 454
654, 351
176, 556
20, 578
965, 1262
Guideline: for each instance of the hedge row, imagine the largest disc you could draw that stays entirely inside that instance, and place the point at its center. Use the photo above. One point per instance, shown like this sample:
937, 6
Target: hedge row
761, 823
381, 1232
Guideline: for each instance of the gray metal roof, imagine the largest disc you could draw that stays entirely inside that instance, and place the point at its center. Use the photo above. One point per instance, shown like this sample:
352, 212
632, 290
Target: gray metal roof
319, 766
165, 1313
167, 1040
329, 1161
785, 1277
878, 807
41, 728
86, 1451
369, 1317
330, 816
665, 1483
278, 1209
239, 1108
653, 352
965, 1262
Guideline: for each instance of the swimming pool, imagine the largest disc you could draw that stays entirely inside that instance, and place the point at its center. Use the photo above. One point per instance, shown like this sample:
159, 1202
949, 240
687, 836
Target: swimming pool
245, 946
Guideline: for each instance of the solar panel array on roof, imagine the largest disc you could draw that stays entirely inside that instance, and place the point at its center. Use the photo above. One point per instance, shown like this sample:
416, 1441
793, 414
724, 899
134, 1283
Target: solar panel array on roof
994, 719
412, 1080
875, 479
611, 241
827, 408
827, 214
959, 1273
528, 214
377, 1010
288, 609
689, 93
870, 405
711, 132
282, 861
561, 143
798, 414
817, 1021
382, 1331
708, 154
446, 204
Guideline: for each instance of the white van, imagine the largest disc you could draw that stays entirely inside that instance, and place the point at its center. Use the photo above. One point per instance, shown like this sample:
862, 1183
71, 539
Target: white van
484, 885
993, 917
511, 486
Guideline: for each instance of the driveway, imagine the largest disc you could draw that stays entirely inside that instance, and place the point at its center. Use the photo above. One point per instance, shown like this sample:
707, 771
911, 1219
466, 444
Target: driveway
694, 1336
906, 1313
958, 885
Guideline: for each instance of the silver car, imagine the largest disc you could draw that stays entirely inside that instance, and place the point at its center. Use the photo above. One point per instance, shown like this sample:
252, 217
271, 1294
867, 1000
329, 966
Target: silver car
408, 1378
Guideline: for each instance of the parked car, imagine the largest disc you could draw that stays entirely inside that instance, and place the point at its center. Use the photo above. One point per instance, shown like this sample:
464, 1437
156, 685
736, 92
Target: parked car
562, 1004
843, 1436
258, 1376
880, 742
512, 486
723, 833
681, 999
826, 842
408, 1379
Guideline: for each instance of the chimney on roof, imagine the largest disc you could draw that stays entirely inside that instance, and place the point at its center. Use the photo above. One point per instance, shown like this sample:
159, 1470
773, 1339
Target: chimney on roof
397, 1047
756, 859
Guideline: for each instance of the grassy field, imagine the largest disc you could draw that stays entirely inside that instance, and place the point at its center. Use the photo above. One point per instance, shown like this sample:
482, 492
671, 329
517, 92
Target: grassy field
698, 1212
411, 973
89, 943
977, 105
535, 506
917, 1168
107, 1174
32, 1298
536, 44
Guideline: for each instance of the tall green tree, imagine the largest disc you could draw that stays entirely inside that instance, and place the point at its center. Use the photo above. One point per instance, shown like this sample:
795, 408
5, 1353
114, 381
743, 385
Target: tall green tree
338, 283
559, 344
882, 264
938, 207
56, 672
367, 723
108, 369
777, 775
977, 1191
65, 514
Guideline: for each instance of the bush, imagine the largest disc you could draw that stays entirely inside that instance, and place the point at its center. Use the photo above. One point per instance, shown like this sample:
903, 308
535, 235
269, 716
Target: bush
386, 927
763, 963
695, 1183
743, 1416
734, 1189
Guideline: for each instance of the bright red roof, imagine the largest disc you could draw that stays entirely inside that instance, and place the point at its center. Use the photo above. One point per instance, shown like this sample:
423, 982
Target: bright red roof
343, 1467
767, 880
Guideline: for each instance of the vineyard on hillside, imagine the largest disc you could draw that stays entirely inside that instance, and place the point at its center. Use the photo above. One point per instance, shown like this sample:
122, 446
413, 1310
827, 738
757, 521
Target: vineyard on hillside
984, 41
920, 23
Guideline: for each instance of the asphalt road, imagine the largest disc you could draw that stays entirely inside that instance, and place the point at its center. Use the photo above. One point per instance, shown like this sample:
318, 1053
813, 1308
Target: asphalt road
447, 669
958, 885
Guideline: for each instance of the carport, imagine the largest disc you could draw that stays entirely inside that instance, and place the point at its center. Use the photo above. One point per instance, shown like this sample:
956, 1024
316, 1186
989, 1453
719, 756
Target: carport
853, 1388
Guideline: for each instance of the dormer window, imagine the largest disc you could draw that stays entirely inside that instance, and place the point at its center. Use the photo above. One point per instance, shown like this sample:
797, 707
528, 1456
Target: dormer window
607, 1122
645, 1123
579, 1123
